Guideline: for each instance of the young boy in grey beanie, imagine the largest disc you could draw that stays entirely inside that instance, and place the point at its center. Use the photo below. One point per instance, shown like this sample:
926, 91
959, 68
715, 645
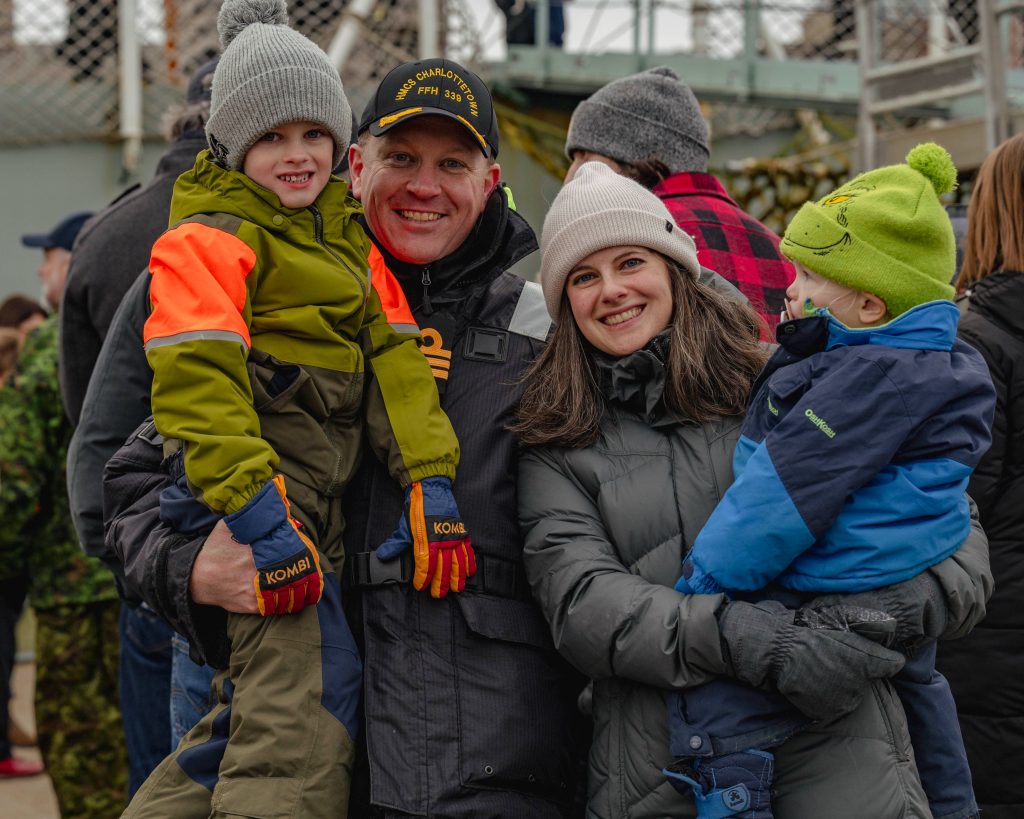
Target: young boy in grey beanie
269, 347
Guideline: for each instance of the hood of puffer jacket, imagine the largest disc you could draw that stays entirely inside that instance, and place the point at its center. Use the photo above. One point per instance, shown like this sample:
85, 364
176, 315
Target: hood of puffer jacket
1000, 297
181, 154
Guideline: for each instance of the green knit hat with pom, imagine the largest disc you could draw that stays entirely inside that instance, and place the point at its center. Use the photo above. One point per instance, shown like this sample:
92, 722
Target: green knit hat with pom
884, 232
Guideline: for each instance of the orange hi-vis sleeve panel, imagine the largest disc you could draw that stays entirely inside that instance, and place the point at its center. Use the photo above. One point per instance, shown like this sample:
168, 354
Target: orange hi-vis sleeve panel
198, 287
392, 299
197, 340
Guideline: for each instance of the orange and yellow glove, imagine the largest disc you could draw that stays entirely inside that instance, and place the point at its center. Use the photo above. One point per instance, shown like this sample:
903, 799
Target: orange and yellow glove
288, 576
442, 552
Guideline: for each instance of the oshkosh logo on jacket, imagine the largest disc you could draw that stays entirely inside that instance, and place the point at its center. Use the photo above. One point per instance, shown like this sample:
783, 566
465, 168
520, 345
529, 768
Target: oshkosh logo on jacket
820, 423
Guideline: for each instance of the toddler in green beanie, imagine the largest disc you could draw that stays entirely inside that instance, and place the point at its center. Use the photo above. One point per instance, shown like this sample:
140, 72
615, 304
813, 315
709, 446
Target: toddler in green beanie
851, 475
885, 235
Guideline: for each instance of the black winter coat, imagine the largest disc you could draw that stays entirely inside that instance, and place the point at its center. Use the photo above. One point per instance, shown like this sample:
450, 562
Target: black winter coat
109, 253
986, 668
470, 712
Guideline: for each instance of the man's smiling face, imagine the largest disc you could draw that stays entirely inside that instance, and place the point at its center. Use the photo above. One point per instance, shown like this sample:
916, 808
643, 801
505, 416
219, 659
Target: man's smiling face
423, 185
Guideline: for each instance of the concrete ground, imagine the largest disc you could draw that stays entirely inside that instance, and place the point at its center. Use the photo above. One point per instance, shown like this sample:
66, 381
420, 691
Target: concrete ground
29, 797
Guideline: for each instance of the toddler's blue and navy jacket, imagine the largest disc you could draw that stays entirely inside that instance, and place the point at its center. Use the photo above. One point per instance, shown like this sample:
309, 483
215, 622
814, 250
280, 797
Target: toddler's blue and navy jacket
854, 458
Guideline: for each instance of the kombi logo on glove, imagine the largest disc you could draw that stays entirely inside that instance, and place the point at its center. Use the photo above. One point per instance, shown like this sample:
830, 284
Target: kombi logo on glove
432, 529
447, 527
290, 571
288, 575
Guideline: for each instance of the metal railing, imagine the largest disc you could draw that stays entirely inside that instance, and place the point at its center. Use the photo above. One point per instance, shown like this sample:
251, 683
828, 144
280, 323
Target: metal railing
110, 69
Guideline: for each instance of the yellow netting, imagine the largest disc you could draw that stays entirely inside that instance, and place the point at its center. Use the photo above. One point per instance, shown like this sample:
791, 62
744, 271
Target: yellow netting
542, 141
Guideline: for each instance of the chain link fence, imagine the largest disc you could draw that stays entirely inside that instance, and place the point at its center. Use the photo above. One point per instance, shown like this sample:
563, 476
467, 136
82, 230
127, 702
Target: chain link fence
59, 70
796, 29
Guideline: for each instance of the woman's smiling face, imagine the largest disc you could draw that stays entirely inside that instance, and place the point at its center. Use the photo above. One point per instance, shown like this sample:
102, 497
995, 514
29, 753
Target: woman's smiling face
621, 298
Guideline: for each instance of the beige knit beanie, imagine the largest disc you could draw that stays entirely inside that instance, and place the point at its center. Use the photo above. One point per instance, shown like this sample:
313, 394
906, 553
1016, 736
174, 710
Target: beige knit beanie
270, 74
599, 209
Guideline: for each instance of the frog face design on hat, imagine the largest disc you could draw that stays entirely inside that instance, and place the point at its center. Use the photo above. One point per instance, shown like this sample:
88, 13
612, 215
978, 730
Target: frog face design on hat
885, 232
832, 233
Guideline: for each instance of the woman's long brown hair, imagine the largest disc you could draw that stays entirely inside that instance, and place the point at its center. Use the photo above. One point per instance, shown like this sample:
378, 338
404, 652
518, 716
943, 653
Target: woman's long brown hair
995, 216
713, 358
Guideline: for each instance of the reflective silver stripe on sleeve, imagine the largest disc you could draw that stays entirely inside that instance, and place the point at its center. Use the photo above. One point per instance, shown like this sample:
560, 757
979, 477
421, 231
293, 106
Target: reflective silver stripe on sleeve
412, 329
196, 335
531, 315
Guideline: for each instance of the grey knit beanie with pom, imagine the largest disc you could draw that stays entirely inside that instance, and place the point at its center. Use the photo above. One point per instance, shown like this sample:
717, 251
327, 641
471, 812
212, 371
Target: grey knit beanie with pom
599, 209
269, 75
650, 115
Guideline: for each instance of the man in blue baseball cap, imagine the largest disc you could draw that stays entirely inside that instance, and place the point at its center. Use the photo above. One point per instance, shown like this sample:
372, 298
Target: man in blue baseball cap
56, 246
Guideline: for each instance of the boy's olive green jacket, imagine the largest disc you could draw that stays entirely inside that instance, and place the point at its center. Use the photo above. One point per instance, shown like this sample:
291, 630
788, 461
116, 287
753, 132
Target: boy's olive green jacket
236, 272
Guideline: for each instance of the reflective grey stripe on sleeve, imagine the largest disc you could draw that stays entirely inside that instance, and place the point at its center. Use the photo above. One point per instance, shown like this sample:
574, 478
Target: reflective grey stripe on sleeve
412, 329
531, 315
196, 335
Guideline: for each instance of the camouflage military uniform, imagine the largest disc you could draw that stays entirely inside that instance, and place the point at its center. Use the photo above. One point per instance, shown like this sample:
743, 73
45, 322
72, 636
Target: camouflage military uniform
74, 596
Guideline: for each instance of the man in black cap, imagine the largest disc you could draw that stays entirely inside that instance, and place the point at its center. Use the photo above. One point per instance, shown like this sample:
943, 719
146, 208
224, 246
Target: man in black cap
56, 246
487, 724
111, 252
469, 711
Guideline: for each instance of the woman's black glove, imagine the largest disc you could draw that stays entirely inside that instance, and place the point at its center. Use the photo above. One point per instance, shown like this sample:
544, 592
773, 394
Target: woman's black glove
918, 604
821, 660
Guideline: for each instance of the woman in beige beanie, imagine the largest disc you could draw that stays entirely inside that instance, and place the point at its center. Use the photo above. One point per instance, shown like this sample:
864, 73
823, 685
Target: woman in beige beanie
630, 417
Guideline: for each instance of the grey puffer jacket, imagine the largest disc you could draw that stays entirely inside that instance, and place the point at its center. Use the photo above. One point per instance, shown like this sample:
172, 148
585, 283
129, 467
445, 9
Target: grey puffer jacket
606, 528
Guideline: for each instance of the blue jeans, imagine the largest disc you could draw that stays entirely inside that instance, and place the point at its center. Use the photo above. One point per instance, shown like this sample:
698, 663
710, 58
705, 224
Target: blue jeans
190, 691
144, 675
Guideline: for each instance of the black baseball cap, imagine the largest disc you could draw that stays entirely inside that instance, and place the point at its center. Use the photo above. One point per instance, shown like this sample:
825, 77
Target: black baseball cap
63, 235
434, 87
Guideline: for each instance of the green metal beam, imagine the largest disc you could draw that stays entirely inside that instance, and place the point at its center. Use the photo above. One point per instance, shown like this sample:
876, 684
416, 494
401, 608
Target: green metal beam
818, 84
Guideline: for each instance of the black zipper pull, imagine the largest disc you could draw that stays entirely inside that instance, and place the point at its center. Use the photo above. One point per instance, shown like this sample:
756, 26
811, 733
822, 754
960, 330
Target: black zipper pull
425, 281
318, 224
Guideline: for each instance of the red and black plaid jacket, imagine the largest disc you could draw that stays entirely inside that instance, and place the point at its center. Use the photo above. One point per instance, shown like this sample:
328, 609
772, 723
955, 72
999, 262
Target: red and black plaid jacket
736, 246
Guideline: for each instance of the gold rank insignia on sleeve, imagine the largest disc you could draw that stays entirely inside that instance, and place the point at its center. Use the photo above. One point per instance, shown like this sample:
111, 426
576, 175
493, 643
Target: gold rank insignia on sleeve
438, 357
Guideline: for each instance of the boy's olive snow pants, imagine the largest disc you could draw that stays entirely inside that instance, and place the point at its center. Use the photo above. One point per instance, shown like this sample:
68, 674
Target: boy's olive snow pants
279, 740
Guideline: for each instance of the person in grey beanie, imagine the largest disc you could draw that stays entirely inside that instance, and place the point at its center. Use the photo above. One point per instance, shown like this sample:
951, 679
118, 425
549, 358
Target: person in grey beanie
271, 355
649, 127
